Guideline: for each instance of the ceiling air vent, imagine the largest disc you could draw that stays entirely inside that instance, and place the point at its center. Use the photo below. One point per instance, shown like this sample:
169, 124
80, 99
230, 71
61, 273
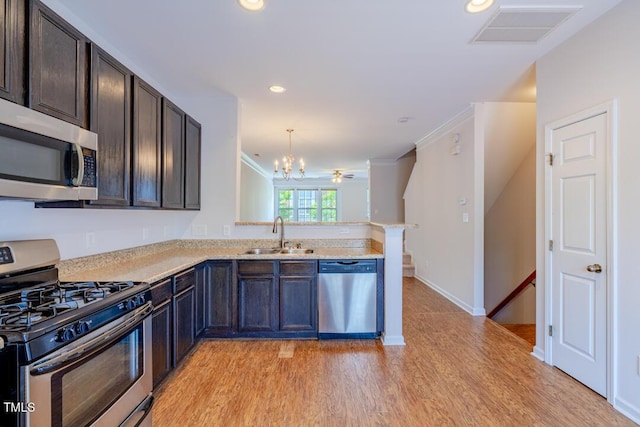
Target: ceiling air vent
523, 24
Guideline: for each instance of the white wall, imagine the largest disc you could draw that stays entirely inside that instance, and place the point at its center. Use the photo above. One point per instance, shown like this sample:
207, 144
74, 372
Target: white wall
510, 135
601, 63
256, 195
387, 182
510, 244
444, 248
116, 229
353, 199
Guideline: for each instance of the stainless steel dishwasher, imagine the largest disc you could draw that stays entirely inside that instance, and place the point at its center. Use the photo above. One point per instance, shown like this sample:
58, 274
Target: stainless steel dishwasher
347, 299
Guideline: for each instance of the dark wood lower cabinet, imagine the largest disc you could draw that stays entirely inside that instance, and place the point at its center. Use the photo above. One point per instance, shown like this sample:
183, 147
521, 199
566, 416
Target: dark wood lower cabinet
162, 331
184, 337
220, 296
256, 305
262, 299
298, 306
173, 322
298, 293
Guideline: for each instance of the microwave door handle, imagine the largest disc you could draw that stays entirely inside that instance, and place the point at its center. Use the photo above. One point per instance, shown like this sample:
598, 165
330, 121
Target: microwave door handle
77, 180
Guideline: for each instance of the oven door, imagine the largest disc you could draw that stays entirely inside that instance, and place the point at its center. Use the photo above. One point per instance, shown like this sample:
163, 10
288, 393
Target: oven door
103, 379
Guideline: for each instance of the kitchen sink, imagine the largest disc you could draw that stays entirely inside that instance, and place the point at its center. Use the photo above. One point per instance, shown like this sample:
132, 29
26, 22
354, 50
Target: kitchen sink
273, 251
261, 251
296, 251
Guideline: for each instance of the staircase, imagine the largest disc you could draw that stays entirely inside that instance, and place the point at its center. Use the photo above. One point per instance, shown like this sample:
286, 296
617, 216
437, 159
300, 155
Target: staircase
408, 268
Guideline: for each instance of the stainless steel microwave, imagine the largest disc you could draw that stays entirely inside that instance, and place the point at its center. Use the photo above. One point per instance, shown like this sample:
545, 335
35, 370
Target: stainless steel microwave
43, 158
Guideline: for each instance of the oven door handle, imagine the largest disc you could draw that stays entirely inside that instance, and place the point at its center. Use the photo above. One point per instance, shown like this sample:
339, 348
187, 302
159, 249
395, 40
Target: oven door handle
128, 323
140, 413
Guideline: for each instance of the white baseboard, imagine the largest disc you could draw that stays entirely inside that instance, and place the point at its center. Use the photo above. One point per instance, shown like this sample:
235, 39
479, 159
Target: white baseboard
392, 339
627, 409
538, 353
474, 311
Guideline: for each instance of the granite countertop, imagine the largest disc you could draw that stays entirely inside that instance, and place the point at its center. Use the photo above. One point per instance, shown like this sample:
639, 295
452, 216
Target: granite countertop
156, 266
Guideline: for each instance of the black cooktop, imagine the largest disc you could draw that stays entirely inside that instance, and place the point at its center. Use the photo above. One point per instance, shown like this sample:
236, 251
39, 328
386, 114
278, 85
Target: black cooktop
22, 309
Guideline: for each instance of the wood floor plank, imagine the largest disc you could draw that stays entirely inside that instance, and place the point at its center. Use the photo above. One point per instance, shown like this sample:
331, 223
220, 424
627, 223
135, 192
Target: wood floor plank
455, 370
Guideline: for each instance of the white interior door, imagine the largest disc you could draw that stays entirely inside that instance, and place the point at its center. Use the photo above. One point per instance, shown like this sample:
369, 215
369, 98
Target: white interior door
578, 257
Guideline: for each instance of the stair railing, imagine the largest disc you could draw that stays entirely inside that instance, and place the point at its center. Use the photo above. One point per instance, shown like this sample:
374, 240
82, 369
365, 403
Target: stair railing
521, 287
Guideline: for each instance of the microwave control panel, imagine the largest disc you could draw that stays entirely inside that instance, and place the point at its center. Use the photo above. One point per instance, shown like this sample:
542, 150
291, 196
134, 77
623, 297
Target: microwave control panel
89, 177
6, 257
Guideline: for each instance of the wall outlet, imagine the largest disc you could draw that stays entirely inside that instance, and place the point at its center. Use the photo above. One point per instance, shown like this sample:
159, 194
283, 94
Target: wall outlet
226, 230
145, 233
199, 229
344, 231
167, 231
90, 239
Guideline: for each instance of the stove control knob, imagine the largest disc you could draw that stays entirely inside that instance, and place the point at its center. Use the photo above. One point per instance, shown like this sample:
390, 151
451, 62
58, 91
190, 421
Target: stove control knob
82, 327
130, 304
140, 300
65, 334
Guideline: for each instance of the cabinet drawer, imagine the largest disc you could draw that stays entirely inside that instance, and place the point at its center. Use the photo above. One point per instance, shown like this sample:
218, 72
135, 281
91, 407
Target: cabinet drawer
256, 267
184, 280
161, 292
298, 267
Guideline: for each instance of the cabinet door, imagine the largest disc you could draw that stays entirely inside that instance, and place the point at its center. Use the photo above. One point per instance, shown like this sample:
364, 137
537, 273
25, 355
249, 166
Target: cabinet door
220, 294
12, 56
147, 144
111, 120
256, 305
173, 119
162, 339
58, 66
298, 306
184, 336
202, 279
192, 165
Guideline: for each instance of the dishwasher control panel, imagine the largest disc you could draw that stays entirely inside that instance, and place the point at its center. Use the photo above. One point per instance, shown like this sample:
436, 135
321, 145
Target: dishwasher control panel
347, 266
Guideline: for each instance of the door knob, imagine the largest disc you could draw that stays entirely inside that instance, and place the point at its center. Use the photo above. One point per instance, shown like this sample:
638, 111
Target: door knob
594, 268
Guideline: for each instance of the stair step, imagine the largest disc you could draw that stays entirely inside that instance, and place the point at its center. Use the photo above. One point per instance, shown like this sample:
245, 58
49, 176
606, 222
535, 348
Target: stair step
408, 270
406, 258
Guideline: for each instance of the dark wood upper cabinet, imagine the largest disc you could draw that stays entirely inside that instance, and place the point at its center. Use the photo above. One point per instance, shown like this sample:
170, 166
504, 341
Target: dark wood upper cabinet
173, 134
12, 55
146, 144
57, 67
192, 164
111, 120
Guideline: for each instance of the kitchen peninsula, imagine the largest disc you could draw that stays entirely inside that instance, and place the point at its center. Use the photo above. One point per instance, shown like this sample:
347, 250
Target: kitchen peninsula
212, 288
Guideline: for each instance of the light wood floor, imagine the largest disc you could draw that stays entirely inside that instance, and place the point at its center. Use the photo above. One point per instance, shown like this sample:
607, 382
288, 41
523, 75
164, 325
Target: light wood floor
525, 331
455, 370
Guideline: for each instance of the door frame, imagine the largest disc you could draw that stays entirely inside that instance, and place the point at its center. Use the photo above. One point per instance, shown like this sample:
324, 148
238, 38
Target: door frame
610, 109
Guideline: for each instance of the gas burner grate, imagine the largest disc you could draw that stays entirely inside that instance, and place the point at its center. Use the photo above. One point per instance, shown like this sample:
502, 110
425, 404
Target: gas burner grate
24, 314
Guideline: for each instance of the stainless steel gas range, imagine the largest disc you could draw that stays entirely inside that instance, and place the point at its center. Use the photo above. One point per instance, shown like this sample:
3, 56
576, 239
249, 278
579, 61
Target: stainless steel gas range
71, 354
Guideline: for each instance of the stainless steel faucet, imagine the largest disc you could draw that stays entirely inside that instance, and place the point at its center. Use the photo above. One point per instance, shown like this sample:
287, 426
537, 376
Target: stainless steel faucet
275, 229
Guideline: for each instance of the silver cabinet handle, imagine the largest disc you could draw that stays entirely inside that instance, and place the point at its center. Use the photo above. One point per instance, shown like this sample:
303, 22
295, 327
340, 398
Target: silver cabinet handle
594, 268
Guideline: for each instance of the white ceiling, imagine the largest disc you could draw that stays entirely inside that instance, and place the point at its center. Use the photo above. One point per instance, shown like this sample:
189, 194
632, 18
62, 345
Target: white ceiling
352, 68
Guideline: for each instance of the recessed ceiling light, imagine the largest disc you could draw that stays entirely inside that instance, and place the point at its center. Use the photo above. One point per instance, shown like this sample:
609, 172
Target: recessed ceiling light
252, 5
277, 89
477, 6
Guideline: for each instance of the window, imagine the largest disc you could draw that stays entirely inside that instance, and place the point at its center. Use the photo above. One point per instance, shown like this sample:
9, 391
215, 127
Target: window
307, 205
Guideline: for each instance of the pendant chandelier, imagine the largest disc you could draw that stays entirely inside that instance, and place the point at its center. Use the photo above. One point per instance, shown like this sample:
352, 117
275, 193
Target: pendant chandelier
287, 165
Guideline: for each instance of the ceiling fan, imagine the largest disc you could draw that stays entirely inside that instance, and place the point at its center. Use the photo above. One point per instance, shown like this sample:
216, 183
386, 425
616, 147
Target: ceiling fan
337, 176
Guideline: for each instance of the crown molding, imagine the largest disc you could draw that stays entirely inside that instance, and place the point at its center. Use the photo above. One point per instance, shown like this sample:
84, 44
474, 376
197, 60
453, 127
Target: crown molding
446, 127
